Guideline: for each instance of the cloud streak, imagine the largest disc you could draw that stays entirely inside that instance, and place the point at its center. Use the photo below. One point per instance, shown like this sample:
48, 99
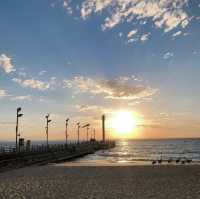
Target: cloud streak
2, 94
32, 83
123, 88
21, 98
132, 33
168, 55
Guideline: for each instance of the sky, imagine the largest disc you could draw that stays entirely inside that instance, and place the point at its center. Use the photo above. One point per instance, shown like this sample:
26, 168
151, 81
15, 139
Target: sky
84, 58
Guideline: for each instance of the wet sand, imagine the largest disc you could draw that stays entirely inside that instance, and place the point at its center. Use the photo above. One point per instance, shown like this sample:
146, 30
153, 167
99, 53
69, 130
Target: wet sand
107, 182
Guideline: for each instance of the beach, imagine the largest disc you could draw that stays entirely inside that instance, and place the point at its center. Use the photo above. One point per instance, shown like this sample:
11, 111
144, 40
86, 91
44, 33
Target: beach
102, 182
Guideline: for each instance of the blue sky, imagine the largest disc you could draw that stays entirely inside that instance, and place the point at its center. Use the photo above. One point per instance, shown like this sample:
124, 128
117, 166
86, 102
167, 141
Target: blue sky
80, 59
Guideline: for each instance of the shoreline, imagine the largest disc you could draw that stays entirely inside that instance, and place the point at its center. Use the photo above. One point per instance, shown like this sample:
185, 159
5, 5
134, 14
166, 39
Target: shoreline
85, 161
119, 164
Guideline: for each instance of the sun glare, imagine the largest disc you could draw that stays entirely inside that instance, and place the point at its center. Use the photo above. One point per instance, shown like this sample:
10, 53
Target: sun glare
124, 123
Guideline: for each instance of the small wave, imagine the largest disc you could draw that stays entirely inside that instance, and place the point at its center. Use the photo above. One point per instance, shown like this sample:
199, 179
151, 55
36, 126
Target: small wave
151, 150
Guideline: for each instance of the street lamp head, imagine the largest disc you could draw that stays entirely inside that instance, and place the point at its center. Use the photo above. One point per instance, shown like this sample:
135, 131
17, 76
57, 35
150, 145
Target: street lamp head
49, 121
20, 115
47, 116
87, 125
19, 109
67, 119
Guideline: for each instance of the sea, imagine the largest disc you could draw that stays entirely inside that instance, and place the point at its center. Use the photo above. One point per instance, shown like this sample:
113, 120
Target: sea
143, 151
146, 151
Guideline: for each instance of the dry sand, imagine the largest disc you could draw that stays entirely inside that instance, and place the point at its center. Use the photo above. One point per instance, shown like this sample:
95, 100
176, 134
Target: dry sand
137, 182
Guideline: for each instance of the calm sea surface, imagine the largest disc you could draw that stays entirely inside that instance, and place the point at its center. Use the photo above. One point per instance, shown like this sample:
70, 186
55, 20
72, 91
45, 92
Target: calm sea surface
131, 151
147, 150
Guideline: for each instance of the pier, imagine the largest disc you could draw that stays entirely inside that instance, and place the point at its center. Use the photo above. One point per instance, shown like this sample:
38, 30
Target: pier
27, 154
41, 155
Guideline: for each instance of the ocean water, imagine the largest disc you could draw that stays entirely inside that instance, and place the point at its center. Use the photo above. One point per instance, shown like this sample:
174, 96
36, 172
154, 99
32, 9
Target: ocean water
131, 151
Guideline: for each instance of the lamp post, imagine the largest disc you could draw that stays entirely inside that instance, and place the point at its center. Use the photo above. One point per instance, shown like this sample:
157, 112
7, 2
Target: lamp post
103, 127
87, 132
47, 128
78, 130
94, 134
17, 126
66, 132
87, 129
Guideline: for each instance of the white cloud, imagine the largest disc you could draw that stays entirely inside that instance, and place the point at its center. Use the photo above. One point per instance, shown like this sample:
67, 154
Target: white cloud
120, 34
42, 72
132, 33
177, 33
165, 14
21, 98
168, 55
145, 37
125, 89
90, 108
186, 34
17, 80
66, 5
93, 109
132, 40
5, 63
32, 83
22, 74
2, 93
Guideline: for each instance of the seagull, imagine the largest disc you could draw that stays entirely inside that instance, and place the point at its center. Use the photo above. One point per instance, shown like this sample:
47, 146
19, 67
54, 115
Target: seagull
188, 161
160, 161
154, 162
183, 162
170, 160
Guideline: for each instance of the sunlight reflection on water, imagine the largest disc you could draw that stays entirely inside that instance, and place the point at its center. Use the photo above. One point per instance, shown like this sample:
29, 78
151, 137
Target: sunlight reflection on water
127, 151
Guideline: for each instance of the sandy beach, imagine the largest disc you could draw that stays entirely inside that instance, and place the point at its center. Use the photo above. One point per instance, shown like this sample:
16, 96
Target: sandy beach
138, 182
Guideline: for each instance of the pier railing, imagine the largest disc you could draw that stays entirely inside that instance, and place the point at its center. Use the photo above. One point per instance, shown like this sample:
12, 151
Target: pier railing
42, 154
41, 148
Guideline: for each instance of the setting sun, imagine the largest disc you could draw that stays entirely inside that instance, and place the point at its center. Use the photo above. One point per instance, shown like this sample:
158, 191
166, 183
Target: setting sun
124, 123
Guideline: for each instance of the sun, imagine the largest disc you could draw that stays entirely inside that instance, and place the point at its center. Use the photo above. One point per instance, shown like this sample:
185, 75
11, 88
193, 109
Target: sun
123, 123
